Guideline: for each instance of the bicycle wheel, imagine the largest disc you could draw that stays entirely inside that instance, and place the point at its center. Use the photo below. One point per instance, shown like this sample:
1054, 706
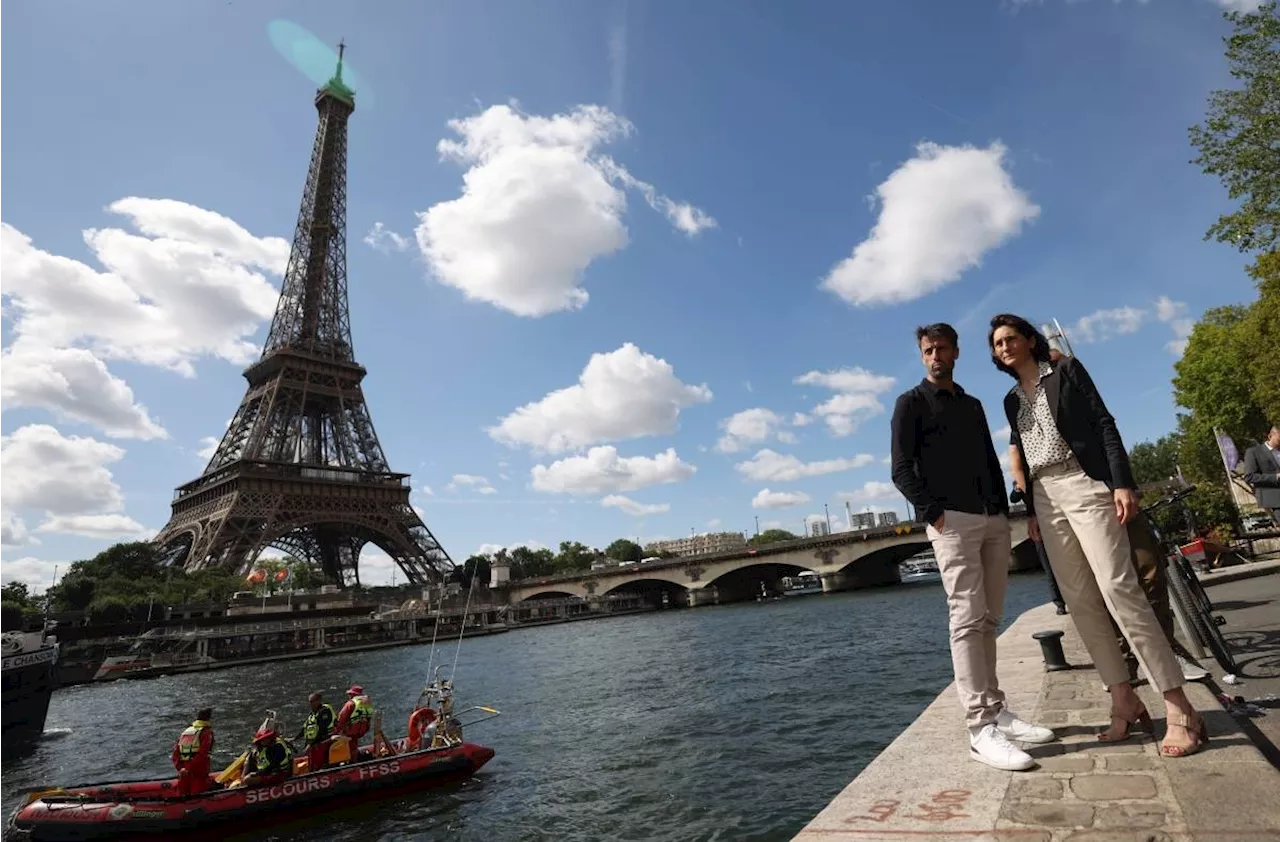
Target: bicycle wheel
1192, 581
1202, 622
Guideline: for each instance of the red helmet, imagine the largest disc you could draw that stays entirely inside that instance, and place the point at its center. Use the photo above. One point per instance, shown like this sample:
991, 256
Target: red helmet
266, 732
356, 690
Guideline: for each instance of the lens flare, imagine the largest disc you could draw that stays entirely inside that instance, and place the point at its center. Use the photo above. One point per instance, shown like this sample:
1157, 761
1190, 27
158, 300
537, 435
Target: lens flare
315, 59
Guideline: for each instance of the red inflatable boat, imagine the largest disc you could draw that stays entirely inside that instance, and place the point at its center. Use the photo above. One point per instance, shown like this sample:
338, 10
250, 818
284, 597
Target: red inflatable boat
433, 754
153, 807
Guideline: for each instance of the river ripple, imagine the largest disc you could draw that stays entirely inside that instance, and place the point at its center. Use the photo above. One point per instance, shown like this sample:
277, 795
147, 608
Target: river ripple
737, 722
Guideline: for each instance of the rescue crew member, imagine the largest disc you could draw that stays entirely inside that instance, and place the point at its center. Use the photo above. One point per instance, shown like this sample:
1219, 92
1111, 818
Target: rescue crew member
317, 729
191, 754
271, 759
355, 717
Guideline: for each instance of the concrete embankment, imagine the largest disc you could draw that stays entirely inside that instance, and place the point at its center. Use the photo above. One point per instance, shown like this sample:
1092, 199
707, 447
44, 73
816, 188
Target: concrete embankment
923, 786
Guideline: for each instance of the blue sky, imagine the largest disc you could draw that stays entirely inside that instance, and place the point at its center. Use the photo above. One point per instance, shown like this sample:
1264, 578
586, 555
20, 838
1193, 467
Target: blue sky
672, 213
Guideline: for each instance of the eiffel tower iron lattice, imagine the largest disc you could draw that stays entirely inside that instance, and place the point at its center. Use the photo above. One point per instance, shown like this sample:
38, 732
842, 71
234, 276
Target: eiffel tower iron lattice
300, 467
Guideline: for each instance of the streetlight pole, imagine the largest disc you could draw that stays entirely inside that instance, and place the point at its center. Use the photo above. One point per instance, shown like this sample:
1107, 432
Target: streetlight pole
757, 525
828, 513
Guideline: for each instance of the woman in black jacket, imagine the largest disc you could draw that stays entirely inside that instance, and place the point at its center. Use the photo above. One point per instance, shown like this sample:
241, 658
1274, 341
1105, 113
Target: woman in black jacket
1082, 495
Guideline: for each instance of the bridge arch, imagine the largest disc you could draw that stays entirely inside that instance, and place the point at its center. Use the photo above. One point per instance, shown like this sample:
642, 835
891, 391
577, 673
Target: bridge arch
747, 581
551, 594
657, 591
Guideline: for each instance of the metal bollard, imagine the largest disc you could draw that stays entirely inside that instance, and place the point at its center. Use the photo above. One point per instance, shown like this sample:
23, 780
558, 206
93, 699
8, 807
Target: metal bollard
1051, 649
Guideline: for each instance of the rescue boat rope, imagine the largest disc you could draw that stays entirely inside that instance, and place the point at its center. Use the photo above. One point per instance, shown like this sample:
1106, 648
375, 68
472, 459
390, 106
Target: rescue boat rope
466, 608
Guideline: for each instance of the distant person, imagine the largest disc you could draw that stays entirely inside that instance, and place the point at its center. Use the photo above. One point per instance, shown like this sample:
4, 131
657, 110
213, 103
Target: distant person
317, 729
945, 464
355, 717
191, 754
271, 759
1083, 495
1262, 471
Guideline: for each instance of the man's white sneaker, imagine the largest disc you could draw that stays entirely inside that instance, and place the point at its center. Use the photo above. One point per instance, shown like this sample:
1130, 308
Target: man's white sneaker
1008, 723
1191, 671
991, 747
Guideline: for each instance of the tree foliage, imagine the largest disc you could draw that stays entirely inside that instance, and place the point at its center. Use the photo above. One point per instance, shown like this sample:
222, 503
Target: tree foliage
771, 536
1155, 461
624, 549
1239, 141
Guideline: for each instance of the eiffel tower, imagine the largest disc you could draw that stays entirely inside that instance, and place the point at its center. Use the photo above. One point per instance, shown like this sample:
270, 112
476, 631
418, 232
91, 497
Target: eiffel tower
300, 467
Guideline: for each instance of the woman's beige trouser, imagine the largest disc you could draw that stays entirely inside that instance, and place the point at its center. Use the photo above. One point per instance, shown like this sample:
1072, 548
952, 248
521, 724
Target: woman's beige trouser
1089, 551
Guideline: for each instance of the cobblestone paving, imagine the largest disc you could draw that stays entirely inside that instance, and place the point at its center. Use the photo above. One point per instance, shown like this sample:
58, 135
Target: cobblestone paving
924, 788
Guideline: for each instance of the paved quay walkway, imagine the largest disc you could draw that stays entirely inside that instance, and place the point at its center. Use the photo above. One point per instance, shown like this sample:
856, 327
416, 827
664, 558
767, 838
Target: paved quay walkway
924, 787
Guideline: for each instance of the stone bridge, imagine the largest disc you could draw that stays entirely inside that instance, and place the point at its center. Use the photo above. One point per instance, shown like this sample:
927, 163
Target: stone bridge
843, 561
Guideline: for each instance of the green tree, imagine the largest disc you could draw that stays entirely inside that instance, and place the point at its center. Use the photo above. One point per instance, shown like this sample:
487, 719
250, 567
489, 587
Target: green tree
771, 536
112, 609
1155, 461
476, 567
1213, 381
1239, 141
573, 556
624, 550
16, 593
1262, 334
527, 563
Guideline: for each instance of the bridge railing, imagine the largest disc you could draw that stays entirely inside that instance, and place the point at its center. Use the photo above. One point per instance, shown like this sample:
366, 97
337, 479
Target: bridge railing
835, 539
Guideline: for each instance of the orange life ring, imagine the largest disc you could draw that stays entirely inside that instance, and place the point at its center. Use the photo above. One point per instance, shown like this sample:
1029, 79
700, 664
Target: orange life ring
419, 720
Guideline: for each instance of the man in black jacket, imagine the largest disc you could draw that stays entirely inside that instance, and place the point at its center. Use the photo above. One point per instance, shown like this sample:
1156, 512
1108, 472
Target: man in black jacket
945, 464
1262, 471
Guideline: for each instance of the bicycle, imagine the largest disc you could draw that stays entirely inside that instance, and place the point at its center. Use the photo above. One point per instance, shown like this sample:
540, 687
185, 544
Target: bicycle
1191, 604
1189, 597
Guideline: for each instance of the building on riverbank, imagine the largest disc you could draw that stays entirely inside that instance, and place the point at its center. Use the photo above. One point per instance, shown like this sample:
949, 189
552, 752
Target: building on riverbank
707, 542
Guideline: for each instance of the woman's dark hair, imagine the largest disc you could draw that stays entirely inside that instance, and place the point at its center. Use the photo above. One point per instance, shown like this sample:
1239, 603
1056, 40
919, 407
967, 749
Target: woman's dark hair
205, 714
1039, 345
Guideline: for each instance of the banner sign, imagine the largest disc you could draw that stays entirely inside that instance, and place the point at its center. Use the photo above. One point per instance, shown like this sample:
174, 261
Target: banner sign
40, 656
1230, 456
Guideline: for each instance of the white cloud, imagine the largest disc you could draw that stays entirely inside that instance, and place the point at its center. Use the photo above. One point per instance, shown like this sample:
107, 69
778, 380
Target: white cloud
751, 426
683, 216
75, 386
769, 466
713, 523
187, 261
624, 394
97, 526
377, 568
426, 490
539, 205
871, 491
1105, 324
36, 573
801, 420
632, 507
602, 471
767, 499
44, 470
490, 549
856, 396
1174, 314
1240, 5
13, 531
208, 447
385, 240
471, 482
940, 212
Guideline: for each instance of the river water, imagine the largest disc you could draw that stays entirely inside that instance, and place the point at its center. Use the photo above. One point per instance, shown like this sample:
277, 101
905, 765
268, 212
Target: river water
737, 722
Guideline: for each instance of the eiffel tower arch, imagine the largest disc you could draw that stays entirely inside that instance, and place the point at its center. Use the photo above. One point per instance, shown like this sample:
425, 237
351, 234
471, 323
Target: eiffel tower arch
300, 467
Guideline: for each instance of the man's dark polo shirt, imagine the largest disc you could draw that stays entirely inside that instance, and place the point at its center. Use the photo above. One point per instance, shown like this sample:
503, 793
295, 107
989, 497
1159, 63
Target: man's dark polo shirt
943, 457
